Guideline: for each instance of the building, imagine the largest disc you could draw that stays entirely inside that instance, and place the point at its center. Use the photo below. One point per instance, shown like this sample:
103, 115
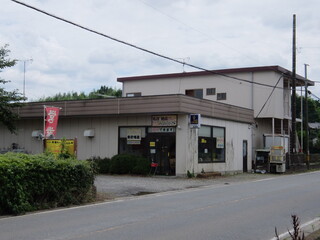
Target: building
154, 118
266, 90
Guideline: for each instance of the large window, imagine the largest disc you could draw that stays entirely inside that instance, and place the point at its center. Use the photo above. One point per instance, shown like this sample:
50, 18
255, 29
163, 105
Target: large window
132, 140
211, 144
198, 93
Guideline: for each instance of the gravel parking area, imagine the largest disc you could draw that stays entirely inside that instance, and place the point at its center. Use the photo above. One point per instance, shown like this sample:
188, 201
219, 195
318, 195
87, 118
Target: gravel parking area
116, 186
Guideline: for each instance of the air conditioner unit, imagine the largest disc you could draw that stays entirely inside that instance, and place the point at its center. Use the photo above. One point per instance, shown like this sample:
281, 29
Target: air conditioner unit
36, 133
88, 133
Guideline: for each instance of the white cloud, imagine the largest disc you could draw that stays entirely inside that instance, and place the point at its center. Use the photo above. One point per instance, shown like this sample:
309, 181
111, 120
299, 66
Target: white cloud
211, 34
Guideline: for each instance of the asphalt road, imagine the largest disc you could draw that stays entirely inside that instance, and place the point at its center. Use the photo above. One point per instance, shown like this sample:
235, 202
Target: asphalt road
243, 210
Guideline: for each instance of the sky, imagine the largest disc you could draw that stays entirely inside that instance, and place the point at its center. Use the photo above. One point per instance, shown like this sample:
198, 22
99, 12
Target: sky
211, 34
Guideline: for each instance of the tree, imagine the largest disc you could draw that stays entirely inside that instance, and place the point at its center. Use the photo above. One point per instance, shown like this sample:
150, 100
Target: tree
103, 92
8, 99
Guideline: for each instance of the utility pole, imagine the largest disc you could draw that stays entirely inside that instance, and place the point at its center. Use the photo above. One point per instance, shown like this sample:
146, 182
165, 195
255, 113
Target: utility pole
306, 121
293, 102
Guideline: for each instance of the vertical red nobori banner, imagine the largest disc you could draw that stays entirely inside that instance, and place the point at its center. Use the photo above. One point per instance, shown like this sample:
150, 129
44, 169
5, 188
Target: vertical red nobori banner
51, 121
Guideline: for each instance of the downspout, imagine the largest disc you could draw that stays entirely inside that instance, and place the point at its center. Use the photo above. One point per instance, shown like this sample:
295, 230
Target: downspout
253, 160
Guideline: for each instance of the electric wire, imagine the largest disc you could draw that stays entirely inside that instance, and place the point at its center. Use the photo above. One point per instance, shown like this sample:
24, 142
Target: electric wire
313, 95
196, 30
269, 96
140, 48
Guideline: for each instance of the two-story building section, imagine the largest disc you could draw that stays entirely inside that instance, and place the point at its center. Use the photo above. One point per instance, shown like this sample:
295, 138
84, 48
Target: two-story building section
266, 90
157, 117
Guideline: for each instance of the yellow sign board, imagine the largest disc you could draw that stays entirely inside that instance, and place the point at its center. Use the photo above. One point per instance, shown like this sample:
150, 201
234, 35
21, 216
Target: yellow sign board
55, 145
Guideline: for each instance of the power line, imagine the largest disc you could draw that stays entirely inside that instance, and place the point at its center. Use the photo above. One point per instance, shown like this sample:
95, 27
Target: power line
314, 95
194, 29
140, 48
269, 96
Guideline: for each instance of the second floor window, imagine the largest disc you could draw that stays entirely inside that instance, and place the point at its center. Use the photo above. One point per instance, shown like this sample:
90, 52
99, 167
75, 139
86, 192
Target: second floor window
135, 94
211, 91
198, 93
221, 96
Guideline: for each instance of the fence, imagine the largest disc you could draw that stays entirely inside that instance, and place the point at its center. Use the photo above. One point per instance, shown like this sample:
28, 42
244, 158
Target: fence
299, 161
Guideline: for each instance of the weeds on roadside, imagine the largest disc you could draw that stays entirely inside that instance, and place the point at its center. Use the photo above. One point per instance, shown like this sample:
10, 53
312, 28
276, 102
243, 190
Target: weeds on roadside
296, 234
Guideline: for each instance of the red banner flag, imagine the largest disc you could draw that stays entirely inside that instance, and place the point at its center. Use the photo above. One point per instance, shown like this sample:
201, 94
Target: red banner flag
51, 121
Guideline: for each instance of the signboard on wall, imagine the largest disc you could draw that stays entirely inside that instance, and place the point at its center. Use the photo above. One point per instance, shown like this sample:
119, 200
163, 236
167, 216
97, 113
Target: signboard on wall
164, 121
54, 145
195, 120
220, 142
133, 136
162, 130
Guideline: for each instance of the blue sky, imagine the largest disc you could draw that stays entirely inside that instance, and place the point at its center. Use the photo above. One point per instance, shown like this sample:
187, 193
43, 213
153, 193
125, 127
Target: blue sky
212, 34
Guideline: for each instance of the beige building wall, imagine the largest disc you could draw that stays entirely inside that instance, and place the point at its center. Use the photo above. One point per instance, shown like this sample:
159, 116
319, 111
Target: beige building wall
105, 141
187, 147
103, 144
239, 93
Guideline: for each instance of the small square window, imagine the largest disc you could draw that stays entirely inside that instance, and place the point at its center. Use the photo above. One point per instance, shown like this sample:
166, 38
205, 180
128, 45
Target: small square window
221, 96
211, 91
135, 94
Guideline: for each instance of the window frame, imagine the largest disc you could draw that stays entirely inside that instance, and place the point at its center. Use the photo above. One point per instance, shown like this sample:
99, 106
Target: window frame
211, 91
194, 92
133, 94
222, 96
213, 150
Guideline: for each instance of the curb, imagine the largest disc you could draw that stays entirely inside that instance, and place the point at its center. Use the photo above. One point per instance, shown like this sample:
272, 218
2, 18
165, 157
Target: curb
307, 228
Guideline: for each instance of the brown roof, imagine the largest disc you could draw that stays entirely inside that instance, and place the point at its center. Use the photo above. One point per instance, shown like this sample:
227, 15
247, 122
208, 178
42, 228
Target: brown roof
146, 105
223, 72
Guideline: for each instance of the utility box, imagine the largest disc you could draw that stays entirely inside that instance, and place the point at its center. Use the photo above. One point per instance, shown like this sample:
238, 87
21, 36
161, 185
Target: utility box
277, 159
281, 168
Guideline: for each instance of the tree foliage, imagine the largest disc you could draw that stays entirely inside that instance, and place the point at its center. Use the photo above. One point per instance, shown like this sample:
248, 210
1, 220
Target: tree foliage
313, 116
103, 92
8, 99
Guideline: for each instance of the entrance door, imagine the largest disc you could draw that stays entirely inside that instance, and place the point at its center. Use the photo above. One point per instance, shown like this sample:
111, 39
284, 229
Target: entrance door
245, 155
163, 152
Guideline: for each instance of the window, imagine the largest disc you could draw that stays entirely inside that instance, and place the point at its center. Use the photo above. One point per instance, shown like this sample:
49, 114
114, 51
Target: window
135, 94
211, 144
198, 93
221, 96
211, 91
132, 140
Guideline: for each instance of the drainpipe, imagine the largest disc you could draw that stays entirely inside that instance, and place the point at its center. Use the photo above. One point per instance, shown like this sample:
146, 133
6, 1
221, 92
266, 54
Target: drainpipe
272, 131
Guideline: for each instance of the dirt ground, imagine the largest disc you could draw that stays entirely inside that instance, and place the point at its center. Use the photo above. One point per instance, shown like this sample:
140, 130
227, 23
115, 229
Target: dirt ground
314, 236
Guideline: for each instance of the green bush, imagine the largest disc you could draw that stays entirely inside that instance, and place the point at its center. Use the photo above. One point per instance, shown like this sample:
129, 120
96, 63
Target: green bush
129, 164
122, 163
101, 165
31, 182
142, 166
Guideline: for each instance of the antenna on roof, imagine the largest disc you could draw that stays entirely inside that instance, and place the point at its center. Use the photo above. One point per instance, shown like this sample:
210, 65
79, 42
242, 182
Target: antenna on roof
184, 60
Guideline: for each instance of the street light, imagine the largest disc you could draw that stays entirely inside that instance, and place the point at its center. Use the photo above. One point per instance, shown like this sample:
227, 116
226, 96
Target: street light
24, 74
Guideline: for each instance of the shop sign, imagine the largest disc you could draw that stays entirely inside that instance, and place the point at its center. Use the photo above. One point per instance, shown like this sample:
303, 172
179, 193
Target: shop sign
162, 130
133, 142
220, 142
133, 136
54, 146
195, 120
164, 121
